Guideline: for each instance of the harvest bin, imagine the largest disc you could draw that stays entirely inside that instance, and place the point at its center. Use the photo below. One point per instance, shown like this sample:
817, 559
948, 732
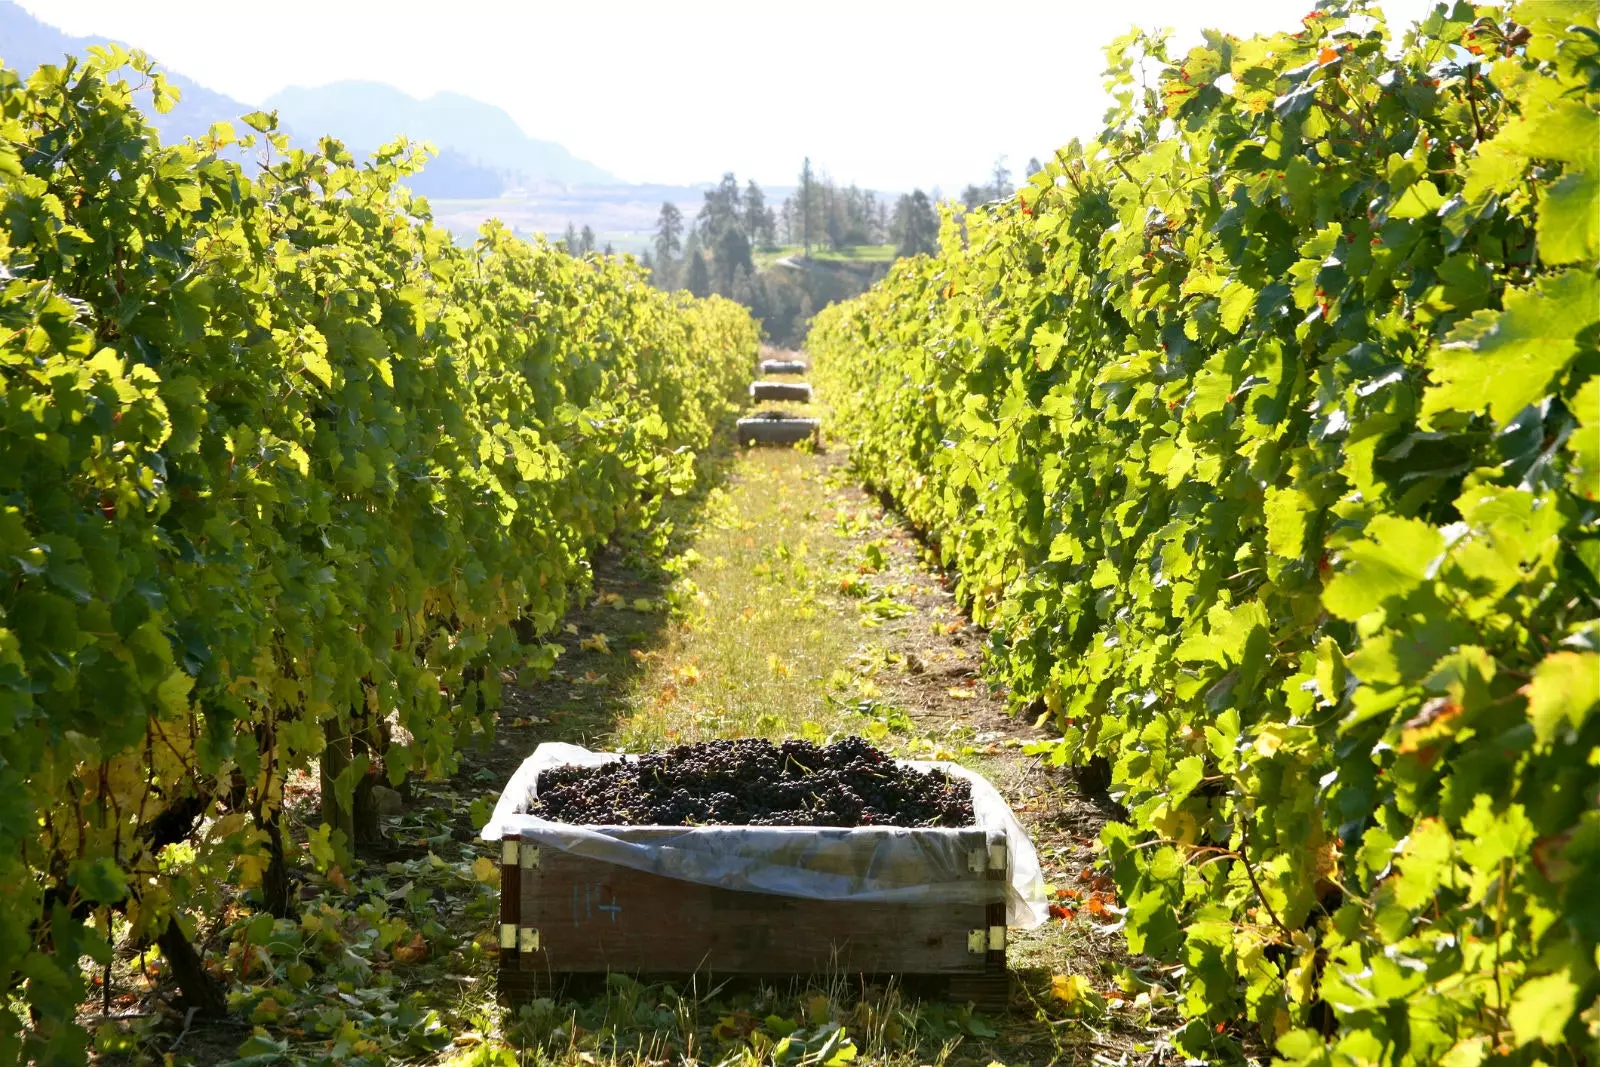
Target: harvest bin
800, 391
776, 428
782, 366
928, 904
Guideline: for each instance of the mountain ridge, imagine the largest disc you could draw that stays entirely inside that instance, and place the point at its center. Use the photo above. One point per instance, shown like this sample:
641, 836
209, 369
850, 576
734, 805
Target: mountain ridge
482, 150
365, 114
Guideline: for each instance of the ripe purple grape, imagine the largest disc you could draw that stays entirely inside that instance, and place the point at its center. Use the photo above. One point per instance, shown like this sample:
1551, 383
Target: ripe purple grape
752, 782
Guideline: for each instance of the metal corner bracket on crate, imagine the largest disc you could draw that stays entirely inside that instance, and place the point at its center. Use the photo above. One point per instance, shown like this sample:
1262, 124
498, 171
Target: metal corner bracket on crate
991, 940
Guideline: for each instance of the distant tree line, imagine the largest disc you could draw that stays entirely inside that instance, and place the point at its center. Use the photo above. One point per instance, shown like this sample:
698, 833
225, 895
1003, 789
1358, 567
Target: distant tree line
714, 252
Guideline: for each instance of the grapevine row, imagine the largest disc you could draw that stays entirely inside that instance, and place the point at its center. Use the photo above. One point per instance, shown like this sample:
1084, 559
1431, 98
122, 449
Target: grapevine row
1264, 433
283, 471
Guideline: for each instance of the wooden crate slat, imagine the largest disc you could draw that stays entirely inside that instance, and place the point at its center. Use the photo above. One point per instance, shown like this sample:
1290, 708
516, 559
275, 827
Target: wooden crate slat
595, 916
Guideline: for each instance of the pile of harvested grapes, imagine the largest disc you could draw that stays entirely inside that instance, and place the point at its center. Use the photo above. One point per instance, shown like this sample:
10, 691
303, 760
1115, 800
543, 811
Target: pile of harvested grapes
751, 782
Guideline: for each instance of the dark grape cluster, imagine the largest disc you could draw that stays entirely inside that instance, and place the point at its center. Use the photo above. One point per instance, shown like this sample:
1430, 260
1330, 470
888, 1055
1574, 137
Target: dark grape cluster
751, 782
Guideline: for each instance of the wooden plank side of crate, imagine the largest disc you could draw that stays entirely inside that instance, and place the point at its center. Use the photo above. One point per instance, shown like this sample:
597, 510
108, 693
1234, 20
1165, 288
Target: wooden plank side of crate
594, 916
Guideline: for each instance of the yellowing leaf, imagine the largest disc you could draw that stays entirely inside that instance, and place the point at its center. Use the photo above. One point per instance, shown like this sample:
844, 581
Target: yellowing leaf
596, 643
173, 693
1071, 989
413, 951
486, 870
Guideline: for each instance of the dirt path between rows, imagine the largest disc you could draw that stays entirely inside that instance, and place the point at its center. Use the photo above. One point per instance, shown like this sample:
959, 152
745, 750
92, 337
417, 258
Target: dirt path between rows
923, 662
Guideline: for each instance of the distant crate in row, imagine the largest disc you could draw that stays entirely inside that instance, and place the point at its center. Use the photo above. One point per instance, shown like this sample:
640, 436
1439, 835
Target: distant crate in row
780, 391
783, 366
776, 428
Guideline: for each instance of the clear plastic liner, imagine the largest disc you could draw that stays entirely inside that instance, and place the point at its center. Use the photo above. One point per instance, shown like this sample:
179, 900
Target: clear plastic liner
881, 863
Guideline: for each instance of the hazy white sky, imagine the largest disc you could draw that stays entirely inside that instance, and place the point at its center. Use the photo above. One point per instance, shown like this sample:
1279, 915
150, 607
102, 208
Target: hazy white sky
888, 93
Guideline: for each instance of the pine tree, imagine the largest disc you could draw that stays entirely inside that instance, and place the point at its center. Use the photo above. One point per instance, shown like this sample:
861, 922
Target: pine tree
669, 228
698, 278
1000, 179
758, 221
915, 229
805, 207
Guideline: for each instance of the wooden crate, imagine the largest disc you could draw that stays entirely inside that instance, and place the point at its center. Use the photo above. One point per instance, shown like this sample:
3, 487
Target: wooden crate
779, 430
782, 366
800, 391
563, 915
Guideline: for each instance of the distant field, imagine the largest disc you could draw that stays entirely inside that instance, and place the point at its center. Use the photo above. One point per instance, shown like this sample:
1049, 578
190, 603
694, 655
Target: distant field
858, 254
624, 215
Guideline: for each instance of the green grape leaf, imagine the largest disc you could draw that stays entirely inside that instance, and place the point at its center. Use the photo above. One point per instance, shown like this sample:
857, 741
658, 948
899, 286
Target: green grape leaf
1288, 516
1238, 300
1569, 219
1584, 444
1426, 862
1563, 694
1541, 1007
1562, 130
1418, 201
1509, 359
1393, 560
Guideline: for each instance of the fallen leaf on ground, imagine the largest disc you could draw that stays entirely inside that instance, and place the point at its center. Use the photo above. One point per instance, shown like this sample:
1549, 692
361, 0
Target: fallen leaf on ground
413, 951
1070, 989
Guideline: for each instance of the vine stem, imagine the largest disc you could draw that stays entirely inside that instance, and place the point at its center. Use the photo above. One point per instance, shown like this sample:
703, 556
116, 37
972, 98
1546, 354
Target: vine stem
1499, 935
1244, 845
1472, 102
1348, 119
